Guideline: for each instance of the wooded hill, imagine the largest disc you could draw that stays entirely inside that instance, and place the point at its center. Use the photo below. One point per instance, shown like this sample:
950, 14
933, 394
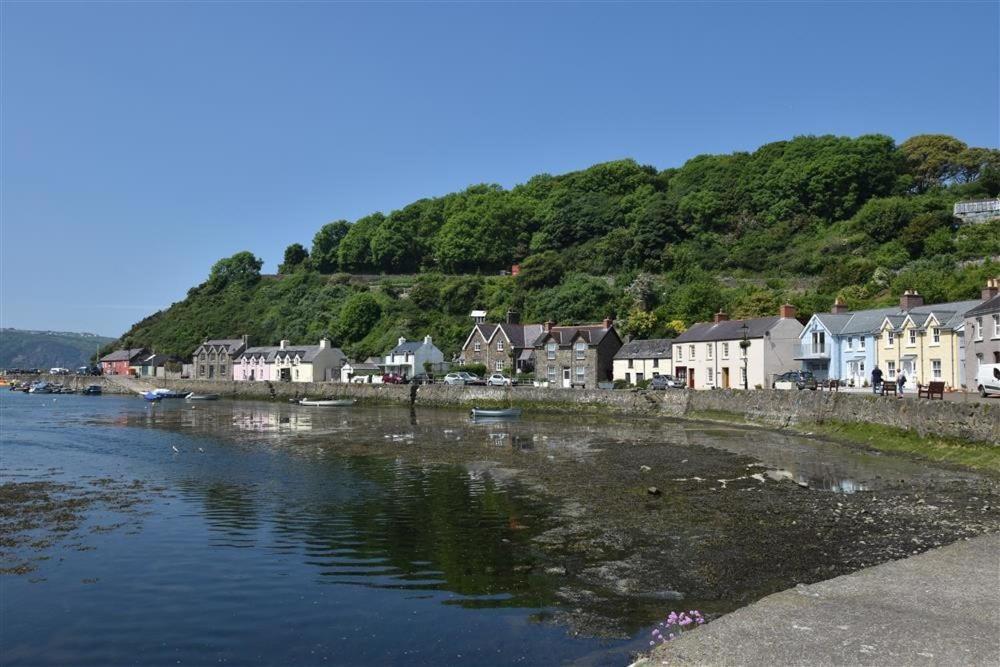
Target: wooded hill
48, 349
803, 220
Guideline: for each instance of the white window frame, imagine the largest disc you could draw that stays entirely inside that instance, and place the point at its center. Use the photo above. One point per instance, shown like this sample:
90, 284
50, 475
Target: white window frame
550, 350
725, 350
581, 371
679, 352
861, 342
709, 376
912, 336
850, 342
936, 369
936, 335
890, 338
996, 326
691, 353
477, 347
979, 328
499, 346
580, 350
708, 350
499, 365
891, 369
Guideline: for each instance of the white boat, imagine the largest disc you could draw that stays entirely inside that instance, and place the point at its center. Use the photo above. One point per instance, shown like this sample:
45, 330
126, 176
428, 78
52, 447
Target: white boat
202, 397
40, 388
169, 393
332, 402
480, 413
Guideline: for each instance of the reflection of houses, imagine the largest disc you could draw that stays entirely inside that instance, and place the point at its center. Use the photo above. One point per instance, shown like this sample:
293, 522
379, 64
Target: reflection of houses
366, 372
307, 363
577, 356
495, 345
640, 360
408, 357
710, 354
982, 332
119, 361
213, 359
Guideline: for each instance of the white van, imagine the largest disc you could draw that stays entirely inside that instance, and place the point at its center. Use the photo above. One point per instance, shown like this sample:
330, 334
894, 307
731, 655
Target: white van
58, 371
988, 379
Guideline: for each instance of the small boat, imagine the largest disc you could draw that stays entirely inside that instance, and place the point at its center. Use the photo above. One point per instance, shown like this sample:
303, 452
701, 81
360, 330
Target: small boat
202, 397
40, 388
332, 402
498, 413
168, 393
92, 390
151, 396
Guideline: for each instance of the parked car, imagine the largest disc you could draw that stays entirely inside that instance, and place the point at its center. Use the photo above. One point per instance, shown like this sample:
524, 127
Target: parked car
498, 380
454, 378
800, 379
58, 371
665, 382
472, 378
988, 379
422, 378
393, 378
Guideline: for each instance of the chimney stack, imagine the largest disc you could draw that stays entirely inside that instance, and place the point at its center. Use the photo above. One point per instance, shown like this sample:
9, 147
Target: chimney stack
283, 344
513, 317
721, 316
992, 288
402, 339
427, 340
608, 322
324, 343
910, 299
548, 325
787, 311
838, 306
246, 341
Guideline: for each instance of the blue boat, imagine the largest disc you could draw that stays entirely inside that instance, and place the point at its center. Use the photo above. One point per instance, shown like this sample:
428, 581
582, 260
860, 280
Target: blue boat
152, 396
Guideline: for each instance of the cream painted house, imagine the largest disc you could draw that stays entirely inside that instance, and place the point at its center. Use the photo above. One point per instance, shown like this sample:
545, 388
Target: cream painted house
923, 342
640, 360
307, 363
713, 355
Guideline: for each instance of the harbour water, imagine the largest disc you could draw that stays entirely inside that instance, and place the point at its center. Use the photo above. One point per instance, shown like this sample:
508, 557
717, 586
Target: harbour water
267, 533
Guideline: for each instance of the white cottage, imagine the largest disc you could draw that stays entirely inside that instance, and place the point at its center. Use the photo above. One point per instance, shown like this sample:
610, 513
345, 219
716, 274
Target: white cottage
307, 363
408, 357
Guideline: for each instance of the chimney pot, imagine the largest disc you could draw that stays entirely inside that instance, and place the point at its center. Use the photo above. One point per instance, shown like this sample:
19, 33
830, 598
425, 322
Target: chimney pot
283, 344
608, 322
910, 299
838, 306
427, 340
548, 325
787, 311
721, 316
401, 340
991, 290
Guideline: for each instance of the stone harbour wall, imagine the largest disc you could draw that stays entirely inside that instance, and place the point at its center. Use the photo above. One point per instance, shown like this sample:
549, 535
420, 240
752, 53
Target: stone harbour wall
973, 421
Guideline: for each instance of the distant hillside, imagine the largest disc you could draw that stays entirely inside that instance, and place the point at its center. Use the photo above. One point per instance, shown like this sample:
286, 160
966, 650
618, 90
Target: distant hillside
46, 349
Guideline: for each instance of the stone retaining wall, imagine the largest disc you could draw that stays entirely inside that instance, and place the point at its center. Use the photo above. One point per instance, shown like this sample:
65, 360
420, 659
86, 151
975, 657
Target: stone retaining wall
970, 421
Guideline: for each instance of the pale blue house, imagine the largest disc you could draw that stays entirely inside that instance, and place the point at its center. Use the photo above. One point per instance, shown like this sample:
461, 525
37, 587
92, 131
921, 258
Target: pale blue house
840, 345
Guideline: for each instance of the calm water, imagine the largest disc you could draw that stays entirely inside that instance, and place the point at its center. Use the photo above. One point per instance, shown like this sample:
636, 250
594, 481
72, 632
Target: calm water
277, 534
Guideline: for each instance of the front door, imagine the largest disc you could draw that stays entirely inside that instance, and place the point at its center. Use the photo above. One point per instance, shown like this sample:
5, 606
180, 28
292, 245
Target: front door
567, 381
725, 377
211, 372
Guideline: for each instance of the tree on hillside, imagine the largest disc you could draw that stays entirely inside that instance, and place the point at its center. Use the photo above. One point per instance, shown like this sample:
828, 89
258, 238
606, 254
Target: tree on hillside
326, 243
242, 268
359, 315
542, 270
933, 159
296, 257
354, 253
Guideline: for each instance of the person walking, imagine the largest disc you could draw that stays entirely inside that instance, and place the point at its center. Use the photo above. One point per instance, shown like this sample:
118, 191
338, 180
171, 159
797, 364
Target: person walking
901, 383
876, 379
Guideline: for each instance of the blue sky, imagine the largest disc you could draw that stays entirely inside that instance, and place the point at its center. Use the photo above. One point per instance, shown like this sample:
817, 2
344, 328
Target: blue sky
144, 141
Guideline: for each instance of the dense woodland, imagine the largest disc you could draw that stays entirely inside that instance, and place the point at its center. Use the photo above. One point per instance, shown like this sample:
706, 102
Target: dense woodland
802, 221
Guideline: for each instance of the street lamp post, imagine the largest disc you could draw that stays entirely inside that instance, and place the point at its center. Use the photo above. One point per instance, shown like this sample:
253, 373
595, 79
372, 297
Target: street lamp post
744, 346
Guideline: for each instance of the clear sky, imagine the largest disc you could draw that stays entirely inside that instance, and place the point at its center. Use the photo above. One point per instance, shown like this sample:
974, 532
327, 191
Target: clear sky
144, 141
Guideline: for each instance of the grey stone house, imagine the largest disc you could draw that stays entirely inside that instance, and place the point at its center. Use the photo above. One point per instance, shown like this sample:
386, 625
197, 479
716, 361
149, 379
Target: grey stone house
982, 333
213, 359
576, 356
495, 345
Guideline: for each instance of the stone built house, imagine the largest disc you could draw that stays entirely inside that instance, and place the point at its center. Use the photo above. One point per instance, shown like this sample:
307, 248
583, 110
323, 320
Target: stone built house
982, 333
119, 361
641, 360
709, 355
576, 356
496, 345
213, 359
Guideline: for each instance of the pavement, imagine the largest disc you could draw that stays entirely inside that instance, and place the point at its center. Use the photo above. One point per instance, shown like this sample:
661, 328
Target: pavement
939, 608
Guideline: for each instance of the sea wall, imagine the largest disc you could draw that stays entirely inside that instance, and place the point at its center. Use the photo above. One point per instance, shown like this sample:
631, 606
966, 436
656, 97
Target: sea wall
974, 421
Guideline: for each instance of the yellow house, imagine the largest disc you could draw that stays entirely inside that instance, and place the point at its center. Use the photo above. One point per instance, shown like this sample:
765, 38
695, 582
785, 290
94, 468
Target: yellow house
923, 342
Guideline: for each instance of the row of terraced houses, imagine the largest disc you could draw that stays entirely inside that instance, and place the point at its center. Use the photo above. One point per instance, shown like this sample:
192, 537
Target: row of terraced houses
944, 342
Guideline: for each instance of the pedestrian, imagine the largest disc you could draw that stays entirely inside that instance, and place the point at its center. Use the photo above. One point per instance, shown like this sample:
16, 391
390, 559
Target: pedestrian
876, 379
901, 382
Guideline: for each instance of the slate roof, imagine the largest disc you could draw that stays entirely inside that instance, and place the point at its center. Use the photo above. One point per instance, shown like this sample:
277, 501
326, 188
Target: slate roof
408, 346
231, 345
521, 335
307, 353
986, 307
362, 366
593, 334
266, 351
654, 348
123, 355
865, 321
727, 330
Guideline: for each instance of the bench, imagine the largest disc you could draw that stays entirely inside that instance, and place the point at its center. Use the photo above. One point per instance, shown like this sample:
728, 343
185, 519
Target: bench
889, 386
930, 390
830, 385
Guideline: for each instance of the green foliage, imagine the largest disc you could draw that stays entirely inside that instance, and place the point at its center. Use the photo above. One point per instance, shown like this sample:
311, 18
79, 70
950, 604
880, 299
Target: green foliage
48, 349
296, 257
800, 220
326, 245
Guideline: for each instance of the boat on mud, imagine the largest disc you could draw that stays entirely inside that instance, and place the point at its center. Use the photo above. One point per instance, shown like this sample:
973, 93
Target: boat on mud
92, 390
40, 388
495, 413
201, 397
330, 402
152, 396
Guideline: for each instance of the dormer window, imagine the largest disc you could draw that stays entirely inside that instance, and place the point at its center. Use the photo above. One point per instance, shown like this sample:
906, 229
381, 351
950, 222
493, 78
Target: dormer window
936, 334
499, 346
